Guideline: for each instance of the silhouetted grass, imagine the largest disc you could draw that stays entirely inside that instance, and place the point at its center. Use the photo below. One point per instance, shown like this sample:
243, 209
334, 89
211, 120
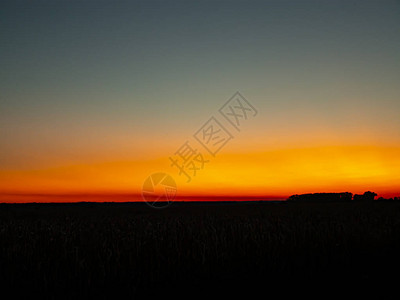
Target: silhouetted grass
103, 250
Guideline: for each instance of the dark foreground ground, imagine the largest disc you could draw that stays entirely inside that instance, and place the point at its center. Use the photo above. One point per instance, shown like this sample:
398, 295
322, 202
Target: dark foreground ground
190, 250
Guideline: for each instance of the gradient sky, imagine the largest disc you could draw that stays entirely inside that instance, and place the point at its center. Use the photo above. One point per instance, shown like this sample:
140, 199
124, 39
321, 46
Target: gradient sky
96, 95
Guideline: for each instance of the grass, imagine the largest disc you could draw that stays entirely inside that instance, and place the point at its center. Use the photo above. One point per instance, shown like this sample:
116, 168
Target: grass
105, 250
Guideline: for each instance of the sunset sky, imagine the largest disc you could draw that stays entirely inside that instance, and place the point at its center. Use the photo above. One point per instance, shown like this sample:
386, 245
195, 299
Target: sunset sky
95, 96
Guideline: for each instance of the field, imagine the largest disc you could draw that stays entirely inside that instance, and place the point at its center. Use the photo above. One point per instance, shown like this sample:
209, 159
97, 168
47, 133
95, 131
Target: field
93, 250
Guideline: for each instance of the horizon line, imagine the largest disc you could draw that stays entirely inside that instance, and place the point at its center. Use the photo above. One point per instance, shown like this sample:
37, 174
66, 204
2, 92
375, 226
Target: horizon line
125, 197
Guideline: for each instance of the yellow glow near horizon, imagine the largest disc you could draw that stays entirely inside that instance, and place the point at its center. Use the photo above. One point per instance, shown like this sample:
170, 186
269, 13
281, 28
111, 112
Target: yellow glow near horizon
272, 173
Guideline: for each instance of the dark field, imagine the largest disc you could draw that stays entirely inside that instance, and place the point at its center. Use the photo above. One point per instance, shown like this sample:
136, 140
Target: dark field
187, 250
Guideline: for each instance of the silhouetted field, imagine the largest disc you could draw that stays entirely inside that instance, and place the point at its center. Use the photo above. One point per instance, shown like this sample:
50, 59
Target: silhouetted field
102, 250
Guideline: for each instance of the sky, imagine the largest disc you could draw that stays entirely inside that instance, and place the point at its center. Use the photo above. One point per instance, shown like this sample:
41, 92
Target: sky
95, 96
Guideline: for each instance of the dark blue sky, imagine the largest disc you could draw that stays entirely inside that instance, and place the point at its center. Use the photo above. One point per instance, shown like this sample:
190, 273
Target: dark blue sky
115, 75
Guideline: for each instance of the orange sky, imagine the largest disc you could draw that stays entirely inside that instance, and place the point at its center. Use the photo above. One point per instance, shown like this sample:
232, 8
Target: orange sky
277, 173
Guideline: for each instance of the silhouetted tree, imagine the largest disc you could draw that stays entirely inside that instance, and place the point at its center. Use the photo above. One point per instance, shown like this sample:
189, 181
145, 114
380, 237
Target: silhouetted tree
346, 196
293, 198
366, 197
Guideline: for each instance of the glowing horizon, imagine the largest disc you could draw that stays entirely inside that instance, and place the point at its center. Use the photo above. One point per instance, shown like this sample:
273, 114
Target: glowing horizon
272, 174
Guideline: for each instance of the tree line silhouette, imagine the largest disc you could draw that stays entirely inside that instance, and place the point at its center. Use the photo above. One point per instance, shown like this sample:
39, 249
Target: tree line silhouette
338, 197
